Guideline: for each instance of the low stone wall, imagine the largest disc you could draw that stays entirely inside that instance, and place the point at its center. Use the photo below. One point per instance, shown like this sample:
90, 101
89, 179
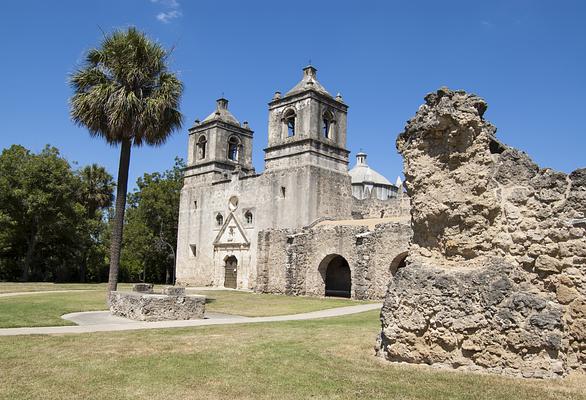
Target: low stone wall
156, 307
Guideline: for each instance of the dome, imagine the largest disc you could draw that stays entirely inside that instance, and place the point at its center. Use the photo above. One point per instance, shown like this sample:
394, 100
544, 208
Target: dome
222, 113
362, 173
308, 82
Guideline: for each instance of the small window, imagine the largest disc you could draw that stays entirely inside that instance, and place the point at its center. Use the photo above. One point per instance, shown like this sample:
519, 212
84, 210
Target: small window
327, 122
201, 147
233, 145
283, 191
219, 220
193, 249
248, 217
290, 123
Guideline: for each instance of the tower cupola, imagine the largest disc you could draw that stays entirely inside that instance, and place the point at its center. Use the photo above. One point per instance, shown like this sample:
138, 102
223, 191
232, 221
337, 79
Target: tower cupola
307, 125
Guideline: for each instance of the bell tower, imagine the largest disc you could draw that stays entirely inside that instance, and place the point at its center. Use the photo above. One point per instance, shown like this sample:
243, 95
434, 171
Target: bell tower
219, 145
307, 126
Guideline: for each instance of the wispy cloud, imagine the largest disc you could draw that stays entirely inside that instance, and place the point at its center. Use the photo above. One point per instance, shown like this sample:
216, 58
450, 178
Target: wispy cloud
487, 24
173, 10
168, 3
168, 16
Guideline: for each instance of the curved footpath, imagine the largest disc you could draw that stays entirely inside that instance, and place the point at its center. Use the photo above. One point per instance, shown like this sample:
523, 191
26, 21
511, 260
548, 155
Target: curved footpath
124, 324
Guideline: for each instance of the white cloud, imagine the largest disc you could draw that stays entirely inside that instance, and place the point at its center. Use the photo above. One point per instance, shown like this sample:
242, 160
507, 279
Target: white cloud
168, 3
168, 16
173, 10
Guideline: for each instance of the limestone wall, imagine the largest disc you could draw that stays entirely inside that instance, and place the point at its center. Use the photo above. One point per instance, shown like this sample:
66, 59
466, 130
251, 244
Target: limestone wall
376, 208
496, 273
292, 261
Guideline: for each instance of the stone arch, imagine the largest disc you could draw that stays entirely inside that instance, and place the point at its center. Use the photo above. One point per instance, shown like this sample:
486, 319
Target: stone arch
289, 122
336, 275
234, 146
202, 143
398, 262
327, 124
230, 271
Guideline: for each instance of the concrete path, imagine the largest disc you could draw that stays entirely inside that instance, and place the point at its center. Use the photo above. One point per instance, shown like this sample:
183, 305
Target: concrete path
116, 325
106, 318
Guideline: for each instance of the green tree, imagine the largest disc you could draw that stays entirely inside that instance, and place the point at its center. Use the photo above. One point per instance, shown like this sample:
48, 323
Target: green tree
151, 226
125, 94
39, 212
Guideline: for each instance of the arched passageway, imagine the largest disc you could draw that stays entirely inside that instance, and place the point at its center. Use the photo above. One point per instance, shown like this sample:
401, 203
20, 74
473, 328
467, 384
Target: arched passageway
230, 272
399, 261
338, 279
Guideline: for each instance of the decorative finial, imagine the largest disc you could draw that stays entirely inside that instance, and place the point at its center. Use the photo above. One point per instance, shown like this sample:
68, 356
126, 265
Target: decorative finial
339, 98
309, 62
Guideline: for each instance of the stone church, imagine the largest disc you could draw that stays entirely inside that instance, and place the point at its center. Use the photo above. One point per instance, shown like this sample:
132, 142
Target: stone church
306, 225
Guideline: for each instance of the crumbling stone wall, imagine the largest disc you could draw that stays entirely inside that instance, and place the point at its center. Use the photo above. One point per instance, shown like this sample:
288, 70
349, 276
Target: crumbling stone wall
291, 261
496, 273
376, 208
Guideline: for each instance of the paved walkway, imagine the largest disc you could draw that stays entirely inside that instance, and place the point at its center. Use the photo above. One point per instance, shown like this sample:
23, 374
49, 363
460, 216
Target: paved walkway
110, 325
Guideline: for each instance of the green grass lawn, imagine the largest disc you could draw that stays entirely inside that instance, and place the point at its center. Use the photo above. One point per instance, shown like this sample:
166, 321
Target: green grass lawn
319, 359
262, 305
14, 287
46, 309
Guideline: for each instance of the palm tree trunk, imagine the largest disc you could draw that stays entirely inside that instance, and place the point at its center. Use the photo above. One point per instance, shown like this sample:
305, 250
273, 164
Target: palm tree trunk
116, 244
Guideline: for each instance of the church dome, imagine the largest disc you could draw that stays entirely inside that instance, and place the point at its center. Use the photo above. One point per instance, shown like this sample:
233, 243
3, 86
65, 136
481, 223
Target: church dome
222, 113
362, 173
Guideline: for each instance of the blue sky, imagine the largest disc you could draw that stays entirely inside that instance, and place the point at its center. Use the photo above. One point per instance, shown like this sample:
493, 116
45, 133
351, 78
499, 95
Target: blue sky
526, 58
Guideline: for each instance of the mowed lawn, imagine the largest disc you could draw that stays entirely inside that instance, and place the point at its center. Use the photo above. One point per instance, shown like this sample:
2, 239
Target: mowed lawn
320, 359
262, 305
46, 309
15, 287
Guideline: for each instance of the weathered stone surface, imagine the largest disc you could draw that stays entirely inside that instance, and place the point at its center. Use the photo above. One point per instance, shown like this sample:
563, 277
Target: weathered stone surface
142, 287
294, 261
495, 260
174, 290
156, 307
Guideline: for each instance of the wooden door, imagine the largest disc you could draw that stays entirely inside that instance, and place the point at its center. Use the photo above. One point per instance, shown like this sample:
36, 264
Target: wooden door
231, 272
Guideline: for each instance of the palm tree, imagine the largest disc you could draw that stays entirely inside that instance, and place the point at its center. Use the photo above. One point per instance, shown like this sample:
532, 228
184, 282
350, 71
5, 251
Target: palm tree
97, 189
125, 95
96, 193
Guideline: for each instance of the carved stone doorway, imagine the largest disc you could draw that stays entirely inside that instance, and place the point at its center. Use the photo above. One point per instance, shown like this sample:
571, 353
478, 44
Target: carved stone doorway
231, 272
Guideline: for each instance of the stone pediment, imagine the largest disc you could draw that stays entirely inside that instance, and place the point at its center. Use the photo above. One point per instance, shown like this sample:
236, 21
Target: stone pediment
231, 235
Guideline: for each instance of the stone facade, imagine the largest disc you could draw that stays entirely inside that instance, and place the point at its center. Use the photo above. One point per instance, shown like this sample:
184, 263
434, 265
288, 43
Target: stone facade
295, 261
226, 208
495, 279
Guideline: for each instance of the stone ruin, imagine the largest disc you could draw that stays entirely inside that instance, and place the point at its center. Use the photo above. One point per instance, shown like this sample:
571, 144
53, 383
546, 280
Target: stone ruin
142, 304
495, 279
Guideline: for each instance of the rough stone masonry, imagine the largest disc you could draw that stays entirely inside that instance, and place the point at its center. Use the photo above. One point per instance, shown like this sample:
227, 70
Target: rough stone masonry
495, 279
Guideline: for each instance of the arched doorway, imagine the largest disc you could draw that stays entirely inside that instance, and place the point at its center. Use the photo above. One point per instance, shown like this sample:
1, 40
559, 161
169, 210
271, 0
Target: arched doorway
399, 261
337, 276
230, 272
